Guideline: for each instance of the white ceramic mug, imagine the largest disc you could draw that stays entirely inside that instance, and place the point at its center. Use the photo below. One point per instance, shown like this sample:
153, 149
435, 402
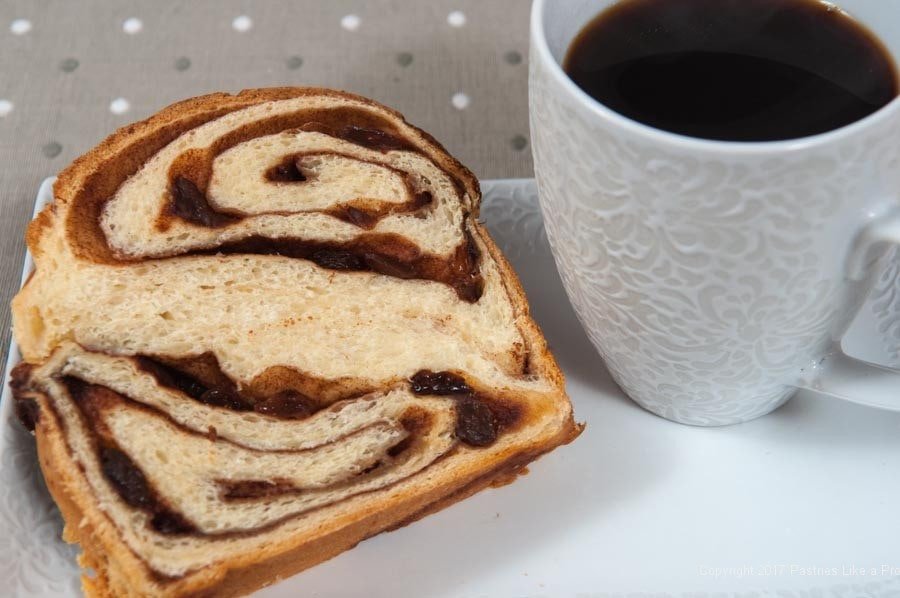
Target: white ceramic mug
715, 278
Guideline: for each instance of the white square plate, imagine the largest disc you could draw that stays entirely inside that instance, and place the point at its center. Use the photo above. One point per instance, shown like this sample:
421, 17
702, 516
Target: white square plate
800, 503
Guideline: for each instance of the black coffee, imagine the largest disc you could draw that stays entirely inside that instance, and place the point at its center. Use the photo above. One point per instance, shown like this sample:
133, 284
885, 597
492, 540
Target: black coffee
742, 70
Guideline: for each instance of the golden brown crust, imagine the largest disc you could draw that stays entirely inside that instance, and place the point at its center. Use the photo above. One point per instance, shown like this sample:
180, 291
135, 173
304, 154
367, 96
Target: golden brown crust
83, 526
544, 360
86, 524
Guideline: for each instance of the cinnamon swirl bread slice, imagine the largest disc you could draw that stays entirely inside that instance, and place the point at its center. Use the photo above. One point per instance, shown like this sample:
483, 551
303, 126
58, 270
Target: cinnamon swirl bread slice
262, 328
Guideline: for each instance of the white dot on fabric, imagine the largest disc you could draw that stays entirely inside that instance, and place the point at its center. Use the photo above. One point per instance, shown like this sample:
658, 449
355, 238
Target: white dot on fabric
460, 100
351, 22
119, 106
132, 25
20, 26
242, 23
457, 18
5, 107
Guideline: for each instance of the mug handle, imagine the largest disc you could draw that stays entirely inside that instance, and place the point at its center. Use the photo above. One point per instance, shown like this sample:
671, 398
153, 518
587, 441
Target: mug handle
844, 377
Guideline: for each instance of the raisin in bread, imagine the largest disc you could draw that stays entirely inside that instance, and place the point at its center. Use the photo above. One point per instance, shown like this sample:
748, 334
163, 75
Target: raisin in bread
263, 327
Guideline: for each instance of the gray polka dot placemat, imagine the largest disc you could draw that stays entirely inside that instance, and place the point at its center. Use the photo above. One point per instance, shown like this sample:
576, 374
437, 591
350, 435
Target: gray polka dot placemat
72, 72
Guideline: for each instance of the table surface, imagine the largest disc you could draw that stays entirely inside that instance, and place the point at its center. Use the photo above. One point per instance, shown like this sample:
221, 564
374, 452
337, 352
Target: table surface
73, 72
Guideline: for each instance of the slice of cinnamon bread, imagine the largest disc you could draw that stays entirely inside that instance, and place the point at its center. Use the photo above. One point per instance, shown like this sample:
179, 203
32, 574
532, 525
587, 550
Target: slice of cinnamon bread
263, 327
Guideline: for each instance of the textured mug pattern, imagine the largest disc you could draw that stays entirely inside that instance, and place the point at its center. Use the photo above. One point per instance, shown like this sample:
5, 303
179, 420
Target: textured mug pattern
707, 282
884, 305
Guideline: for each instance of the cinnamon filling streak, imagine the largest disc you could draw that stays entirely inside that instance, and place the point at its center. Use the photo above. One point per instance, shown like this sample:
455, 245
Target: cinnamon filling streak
363, 213
383, 253
190, 174
216, 389
480, 420
123, 474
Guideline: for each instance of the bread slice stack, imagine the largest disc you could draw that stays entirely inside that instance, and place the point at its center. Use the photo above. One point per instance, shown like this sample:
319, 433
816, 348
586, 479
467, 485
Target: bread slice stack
263, 327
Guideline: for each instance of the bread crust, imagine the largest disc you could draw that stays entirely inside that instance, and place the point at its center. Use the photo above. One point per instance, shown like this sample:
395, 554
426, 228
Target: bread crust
119, 572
